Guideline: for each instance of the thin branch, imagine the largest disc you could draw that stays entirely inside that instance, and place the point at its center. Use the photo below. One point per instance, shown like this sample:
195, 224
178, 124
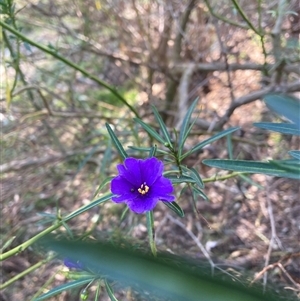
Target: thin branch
70, 64
183, 92
293, 87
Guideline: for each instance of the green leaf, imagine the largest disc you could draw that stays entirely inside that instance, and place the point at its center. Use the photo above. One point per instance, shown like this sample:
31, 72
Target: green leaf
110, 291
185, 127
148, 149
151, 231
181, 179
208, 141
285, 128
198, 191
116, 142
64, 287
175, 207
266, 168
284, 105
195, 175
88, 206
150, 130
295, 154
152, 151
163, 276
163, 127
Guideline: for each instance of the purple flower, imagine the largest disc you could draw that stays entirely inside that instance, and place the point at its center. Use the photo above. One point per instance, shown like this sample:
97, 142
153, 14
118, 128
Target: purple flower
141, 184
71, 264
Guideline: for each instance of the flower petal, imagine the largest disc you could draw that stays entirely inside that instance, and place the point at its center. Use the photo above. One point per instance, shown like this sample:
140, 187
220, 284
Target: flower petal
130, 170
151, 169
124, 198
162, 189
142, 204
119, 185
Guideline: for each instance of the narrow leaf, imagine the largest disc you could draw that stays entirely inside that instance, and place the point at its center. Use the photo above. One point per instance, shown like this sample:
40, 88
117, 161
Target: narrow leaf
175, 207
195, 175
284, 105
163, 276
152, 151
185, 127
285, 128
147, 149
208, 141
181, 179
116, 142
198, 191
88, 206
163, 127
151, 231
110, 291
266, 168
63, 287
295, 154
150, 130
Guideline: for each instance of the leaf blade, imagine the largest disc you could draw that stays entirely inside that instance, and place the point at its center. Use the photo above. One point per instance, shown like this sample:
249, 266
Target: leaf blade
266, 168
163, 127
150, 130
116, 142
284, 128
66, 286
208, 141
185, 128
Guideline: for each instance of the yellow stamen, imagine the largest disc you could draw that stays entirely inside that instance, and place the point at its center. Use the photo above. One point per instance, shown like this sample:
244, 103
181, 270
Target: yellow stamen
143, 189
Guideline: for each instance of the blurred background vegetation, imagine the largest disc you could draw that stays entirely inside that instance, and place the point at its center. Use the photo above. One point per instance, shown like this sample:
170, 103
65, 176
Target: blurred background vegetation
68, 67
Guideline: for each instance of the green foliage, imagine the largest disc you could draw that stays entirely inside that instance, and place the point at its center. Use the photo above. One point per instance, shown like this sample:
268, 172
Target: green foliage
289, 108
164, 276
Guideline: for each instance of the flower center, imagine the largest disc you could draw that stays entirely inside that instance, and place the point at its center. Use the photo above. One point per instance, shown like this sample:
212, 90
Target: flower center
143, 189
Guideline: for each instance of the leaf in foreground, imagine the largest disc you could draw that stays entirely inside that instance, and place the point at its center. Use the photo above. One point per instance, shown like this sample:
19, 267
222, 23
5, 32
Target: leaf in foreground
163, 277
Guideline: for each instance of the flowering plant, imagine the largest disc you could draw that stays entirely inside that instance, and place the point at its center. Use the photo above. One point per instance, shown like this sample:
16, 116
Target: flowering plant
141, 184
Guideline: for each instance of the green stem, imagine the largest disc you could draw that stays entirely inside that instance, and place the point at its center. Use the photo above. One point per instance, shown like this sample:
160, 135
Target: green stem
151, 232
35, 238
241, 12
219, 17
222, 178
26, 272
69, 63
29, 242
